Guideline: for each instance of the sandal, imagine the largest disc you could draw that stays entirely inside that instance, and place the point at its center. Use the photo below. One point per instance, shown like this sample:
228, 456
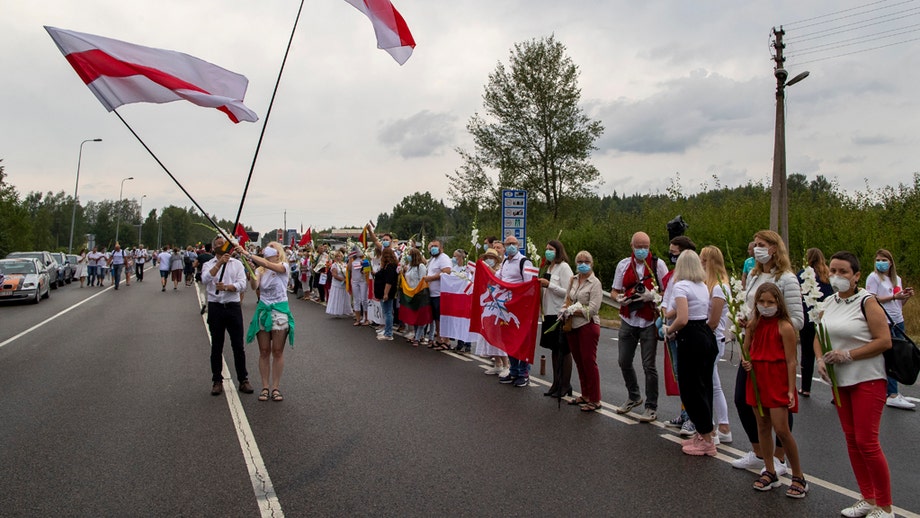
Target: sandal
798, 488
263, 396
767, 481
579, 401
804, 393
590, 407
414, 343
276, 395
440, 347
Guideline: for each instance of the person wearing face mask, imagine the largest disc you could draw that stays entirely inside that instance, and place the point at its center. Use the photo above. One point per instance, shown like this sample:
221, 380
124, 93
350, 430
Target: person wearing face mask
516, 268
635, 283
773, 266
555, 282
585, 289
885, 284
677, 245
858, 332
438, 263
749, 265
501, 366
814, 258
770, 342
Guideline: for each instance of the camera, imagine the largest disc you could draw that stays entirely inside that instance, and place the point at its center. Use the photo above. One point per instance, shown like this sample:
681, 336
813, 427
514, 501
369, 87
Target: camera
639, 289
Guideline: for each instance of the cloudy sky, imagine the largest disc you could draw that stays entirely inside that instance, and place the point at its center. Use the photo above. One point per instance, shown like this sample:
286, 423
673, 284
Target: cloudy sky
681, 87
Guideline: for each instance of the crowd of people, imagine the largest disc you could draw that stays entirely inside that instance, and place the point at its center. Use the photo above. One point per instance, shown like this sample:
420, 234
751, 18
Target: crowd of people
695, 309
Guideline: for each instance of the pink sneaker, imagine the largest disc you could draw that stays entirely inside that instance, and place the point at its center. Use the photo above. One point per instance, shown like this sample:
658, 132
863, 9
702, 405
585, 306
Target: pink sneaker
700, 446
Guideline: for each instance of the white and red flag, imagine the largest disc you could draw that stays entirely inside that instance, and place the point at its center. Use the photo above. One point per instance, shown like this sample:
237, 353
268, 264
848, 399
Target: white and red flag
392, 32
456, 301
120, 73
240, 233
306, 237
505, 313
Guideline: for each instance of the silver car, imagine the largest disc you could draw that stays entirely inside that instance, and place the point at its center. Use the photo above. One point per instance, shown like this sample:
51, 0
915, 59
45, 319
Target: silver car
45, 258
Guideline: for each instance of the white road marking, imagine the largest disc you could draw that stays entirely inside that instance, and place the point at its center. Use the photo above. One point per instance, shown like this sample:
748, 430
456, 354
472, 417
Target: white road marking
49, 319
269, 506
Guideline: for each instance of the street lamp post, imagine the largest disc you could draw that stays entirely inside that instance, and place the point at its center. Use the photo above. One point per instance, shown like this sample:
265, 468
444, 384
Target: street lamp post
73, 215
140, 226
118, 208
779, 195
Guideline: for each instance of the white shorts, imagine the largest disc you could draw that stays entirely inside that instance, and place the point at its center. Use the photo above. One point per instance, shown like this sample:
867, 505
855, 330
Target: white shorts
279, 321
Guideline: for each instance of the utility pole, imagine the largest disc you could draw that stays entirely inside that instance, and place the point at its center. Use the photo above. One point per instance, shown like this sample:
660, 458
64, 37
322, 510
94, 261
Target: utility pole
779, 199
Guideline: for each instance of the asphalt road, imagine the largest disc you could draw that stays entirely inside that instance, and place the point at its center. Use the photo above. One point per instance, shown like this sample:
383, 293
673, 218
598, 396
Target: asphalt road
106, 411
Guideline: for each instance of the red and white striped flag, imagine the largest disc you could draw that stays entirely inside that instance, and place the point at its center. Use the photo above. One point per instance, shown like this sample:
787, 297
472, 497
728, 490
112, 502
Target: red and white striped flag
392, 32
120, 73
456, 301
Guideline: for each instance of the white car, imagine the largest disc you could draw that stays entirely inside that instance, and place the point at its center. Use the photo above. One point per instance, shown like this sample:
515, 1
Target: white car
24, 279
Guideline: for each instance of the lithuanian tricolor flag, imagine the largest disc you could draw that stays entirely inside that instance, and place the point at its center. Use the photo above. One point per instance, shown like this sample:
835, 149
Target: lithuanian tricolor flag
414, 303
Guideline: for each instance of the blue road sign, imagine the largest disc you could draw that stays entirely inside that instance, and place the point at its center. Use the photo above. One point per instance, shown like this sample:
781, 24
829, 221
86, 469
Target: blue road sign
514, 214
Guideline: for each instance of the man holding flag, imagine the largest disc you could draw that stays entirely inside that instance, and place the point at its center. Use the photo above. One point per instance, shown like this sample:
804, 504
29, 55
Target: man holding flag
518, 269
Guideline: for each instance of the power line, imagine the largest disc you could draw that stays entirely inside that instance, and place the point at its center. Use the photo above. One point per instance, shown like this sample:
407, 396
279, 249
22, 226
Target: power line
846, 11
857, 52
857, 24
802, 38
842, 44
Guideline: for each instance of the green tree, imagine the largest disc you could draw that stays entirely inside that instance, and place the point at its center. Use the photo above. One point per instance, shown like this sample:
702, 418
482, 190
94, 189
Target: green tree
418, 213
533, 133
15, 223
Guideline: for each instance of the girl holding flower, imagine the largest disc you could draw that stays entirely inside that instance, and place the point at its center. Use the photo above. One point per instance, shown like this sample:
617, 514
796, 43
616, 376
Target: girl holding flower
586, 294
770, 343
858, 331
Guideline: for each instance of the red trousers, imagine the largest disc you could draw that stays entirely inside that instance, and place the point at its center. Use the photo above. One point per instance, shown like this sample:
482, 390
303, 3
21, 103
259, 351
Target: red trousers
583, 343
860, 414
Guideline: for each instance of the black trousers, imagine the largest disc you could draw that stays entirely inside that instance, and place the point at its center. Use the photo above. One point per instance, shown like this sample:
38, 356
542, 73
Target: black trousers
139, 271
226, 318
696, 353
807, 337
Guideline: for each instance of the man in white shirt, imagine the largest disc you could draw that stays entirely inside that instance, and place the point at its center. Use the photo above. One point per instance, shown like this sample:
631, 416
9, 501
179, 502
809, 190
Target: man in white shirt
438, 263
224, 279
635, 283
140, 257
117, 262
164, 258
517, 269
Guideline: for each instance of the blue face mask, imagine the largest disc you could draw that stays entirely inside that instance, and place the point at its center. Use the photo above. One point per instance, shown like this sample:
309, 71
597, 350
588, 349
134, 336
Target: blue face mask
434, 251
511, 250
485, 247
385, 243
583, 268
454, 261
882, 266
550, 255
640, 253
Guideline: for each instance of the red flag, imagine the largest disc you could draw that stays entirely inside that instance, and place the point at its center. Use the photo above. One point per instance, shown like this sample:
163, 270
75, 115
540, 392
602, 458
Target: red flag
120, 73
505, 313
241, 235
293, 242
306, 238
392, 32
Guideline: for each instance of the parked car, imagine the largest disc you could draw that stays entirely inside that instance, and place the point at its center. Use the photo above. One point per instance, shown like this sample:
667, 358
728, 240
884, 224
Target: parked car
24, 279
73, 259
48, 261
66, 267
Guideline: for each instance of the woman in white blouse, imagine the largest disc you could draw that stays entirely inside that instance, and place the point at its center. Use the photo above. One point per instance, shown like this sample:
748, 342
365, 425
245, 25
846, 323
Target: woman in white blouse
555, 281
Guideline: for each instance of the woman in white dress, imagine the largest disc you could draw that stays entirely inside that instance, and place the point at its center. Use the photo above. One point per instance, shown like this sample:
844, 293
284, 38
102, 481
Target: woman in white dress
81, 267
500, 363
339, 303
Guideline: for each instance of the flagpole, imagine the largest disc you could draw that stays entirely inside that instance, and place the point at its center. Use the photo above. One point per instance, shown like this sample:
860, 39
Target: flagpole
179, 185
268, 114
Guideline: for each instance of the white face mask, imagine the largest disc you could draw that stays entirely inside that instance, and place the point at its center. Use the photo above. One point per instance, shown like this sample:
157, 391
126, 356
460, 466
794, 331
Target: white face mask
839, 283
762, 254
490, 262
766, 311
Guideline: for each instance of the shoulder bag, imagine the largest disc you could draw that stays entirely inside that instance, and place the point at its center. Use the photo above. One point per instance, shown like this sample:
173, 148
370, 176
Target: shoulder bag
902, 361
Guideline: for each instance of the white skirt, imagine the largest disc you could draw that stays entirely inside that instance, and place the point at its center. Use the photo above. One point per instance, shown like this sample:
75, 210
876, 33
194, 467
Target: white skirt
338, 303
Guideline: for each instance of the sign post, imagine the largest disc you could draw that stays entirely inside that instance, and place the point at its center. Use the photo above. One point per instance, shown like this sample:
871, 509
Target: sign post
514, 214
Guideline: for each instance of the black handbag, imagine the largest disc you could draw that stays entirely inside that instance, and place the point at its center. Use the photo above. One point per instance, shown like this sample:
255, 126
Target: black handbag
902, 361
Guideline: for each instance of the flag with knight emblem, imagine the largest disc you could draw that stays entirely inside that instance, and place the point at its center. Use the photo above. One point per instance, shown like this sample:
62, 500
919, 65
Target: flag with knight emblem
506, 314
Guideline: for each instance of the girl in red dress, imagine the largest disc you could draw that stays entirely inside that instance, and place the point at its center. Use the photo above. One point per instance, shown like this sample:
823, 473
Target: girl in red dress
771, 342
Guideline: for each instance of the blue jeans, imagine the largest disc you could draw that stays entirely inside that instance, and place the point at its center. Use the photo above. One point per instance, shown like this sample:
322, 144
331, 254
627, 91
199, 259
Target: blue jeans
519, 368
116, 273
646, 338
892, 384
91, 274
387, 307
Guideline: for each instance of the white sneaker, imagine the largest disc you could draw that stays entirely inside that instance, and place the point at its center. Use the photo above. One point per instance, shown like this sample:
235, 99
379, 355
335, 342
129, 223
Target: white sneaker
493, 370
898, 401
724, 438
504, 373
860, 508
748, 461
715, 440
780, 467
878, 512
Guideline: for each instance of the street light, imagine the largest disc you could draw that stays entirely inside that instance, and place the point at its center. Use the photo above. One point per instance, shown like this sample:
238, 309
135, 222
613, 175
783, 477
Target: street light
73, 215
779, 196
118, 219
140, 226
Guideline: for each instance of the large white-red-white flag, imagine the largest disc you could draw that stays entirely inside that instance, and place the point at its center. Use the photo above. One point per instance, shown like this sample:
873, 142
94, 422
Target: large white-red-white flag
456, 303
392, 32
120, 73
505, 314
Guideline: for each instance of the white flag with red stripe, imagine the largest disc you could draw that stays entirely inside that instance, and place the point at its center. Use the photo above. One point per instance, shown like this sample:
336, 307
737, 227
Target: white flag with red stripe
120, 73
392, 32
456, 301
